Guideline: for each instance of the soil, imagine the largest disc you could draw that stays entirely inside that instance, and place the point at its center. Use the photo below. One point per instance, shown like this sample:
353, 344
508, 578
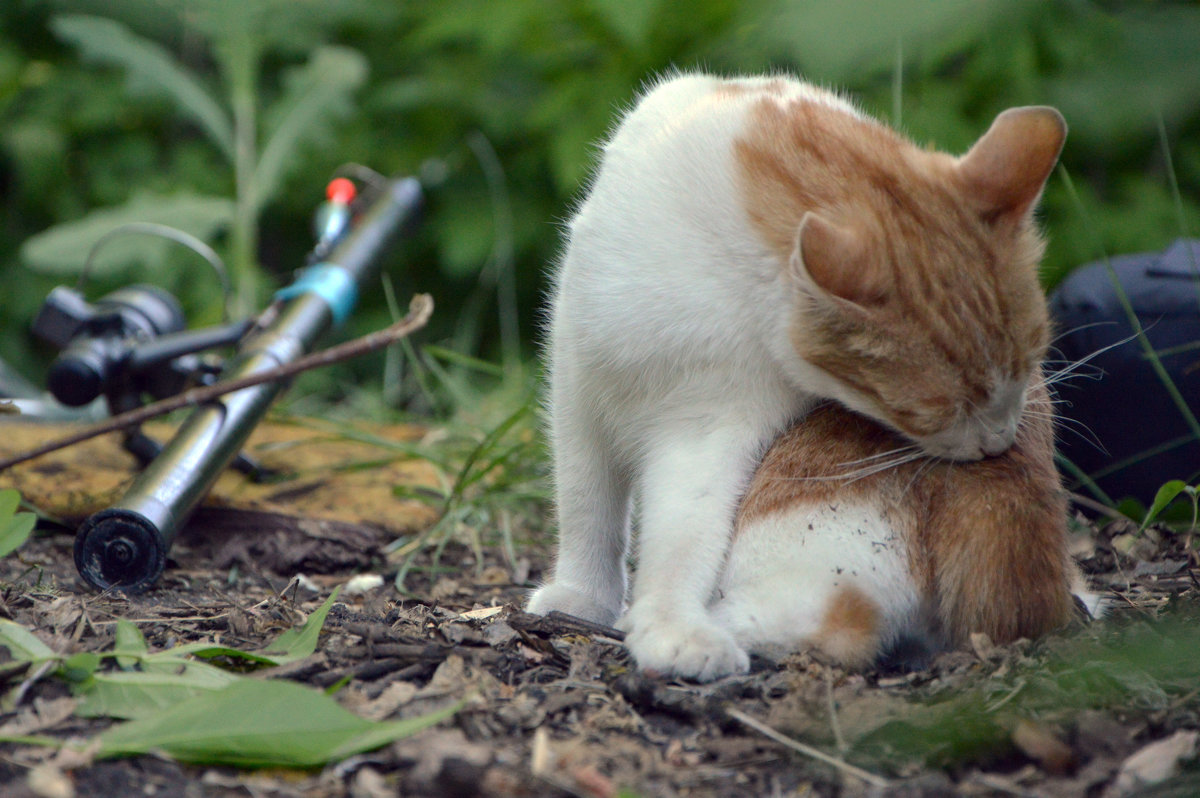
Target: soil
554, 705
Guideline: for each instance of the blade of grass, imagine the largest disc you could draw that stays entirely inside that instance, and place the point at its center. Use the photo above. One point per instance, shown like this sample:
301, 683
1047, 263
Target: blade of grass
464, 361
1084, 480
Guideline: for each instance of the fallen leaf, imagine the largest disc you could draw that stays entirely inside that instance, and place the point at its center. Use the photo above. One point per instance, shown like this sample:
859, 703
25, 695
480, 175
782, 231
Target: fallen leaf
47, 780
394, 696
42, 715
1042, 746
1153, 763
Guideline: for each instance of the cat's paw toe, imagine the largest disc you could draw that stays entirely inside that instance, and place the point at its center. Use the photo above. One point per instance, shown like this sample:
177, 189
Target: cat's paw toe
687, 648
564, 598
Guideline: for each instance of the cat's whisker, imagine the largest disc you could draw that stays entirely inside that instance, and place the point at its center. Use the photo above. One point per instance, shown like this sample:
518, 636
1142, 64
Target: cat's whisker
1080, 328
1078, 368
1072, 425
899, 457
917, 475
1072, 369
906, 449
878, 468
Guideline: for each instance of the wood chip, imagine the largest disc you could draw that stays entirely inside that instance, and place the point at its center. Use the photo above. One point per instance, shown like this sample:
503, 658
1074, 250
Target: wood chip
481, 613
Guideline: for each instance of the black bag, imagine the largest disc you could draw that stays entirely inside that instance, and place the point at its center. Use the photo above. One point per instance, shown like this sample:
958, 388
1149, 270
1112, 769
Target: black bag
1128, 410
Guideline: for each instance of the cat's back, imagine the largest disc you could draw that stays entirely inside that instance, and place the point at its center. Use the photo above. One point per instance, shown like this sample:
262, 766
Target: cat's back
687, 122
679, 105
663, 233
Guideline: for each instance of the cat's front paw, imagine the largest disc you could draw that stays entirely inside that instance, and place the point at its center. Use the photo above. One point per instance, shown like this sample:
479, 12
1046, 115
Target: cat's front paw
561, 597
694, 648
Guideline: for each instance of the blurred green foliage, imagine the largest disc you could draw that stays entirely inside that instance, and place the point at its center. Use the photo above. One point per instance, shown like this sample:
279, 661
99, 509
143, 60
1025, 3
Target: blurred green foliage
498, 106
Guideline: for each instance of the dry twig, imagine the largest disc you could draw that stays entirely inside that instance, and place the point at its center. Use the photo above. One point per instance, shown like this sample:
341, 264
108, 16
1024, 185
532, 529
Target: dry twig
807, 750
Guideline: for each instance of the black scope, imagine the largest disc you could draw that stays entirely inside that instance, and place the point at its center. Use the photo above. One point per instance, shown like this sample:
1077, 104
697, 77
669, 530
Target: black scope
96, 339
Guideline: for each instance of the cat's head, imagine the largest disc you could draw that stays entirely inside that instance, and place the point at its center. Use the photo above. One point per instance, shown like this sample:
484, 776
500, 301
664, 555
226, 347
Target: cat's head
917, 289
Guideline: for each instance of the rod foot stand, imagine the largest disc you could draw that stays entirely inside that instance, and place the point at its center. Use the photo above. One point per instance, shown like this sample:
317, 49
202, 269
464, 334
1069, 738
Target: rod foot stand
118, 549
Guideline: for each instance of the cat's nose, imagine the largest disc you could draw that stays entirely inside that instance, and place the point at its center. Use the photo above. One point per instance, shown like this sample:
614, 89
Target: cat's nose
997, 441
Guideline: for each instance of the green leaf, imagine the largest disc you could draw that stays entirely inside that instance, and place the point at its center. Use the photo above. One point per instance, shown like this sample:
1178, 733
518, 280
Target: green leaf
301, 641
63, 249
79, 667
1166, 494
10, 500
138, 694
22, 644
208, 650
129, 644
148, 65
315, 92
15, 527
254, 723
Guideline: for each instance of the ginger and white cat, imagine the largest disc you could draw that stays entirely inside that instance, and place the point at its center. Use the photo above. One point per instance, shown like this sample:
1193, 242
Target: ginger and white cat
749, 248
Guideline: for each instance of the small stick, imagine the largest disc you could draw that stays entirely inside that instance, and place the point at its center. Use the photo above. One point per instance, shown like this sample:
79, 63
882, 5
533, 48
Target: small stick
807, 750
418, 314
838, 739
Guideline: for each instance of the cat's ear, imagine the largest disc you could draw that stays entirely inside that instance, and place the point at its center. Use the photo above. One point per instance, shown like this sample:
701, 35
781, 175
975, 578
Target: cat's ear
835, 259
1006, 169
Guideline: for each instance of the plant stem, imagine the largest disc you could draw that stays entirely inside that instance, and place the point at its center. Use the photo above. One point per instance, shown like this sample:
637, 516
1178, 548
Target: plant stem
244, 237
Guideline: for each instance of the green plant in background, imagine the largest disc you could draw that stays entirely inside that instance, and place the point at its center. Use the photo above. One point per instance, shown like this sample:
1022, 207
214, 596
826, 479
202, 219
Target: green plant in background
504, 103
540, 84
256, 139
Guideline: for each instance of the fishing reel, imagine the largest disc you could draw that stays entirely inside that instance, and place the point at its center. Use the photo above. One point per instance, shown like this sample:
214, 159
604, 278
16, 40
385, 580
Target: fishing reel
130, 343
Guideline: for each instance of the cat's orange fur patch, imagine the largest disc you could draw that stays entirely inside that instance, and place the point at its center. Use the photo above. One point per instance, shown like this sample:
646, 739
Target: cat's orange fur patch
849, 631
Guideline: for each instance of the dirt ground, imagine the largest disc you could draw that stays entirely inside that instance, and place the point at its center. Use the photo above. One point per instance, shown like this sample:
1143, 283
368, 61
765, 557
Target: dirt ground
554, 706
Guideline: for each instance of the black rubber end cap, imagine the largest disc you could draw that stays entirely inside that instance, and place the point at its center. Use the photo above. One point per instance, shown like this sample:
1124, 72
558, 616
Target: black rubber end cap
118, 549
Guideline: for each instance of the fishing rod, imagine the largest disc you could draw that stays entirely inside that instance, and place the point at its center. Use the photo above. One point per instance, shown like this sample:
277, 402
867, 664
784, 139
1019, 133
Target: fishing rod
124, 547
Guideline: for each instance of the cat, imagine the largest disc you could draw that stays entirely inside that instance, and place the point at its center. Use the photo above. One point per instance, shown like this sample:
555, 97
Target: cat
747, 249
850, 542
